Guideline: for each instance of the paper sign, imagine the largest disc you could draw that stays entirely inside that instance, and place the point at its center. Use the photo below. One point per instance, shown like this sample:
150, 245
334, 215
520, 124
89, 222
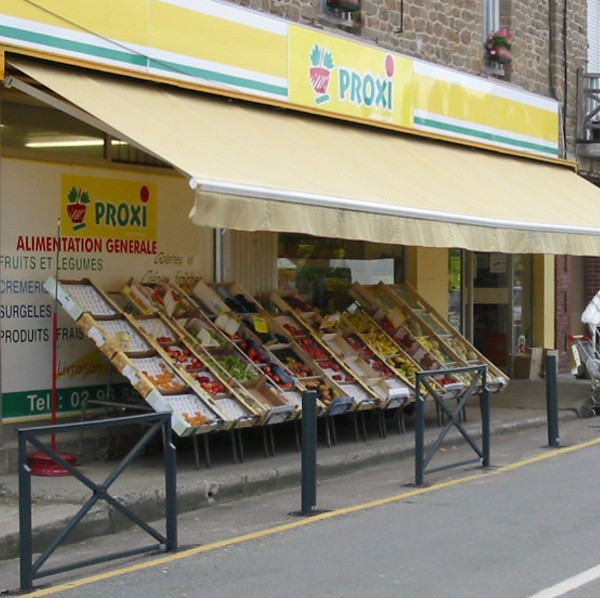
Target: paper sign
206, 340
229, 325
330, 321
260, 324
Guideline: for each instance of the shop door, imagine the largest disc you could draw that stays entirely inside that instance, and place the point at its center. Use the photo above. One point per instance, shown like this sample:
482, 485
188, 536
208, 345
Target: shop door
489, 308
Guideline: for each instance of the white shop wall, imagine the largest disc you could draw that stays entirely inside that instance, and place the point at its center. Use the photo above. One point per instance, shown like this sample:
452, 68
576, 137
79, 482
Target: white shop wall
30, 204
251, 259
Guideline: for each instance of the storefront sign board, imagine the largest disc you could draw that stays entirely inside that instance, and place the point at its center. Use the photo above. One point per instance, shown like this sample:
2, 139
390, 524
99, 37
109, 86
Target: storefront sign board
238, 51
34, 195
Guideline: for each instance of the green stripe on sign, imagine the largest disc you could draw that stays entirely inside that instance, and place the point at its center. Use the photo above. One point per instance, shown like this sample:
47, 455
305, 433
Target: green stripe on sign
140, 60
427, 122
72, 46
217, 77
31, 403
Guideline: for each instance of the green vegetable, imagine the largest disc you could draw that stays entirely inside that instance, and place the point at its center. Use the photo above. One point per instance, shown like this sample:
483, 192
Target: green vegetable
235, 368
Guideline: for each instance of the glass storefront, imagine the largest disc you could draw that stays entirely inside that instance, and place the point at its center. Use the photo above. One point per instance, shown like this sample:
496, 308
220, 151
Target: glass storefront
455, 289
322, 270
500, 312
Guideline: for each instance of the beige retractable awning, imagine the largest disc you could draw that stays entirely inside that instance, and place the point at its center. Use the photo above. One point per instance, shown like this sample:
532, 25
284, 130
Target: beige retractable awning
260, 168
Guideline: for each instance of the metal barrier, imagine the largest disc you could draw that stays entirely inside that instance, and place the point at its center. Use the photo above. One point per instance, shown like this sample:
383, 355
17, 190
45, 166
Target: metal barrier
29, 569
478, 385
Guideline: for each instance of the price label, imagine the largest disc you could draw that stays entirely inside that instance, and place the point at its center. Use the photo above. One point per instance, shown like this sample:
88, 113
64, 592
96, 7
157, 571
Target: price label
330, 321
260, 324
229, 325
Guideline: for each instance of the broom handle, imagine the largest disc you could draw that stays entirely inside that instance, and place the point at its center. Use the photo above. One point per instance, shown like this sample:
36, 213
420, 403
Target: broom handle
53, 396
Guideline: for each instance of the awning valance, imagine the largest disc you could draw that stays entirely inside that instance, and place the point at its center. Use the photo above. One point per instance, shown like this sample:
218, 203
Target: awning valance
260, 168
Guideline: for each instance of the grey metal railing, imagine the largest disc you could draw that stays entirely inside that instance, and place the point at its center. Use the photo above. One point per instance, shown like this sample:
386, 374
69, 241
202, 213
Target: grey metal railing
425, 388
588, 108
158, 423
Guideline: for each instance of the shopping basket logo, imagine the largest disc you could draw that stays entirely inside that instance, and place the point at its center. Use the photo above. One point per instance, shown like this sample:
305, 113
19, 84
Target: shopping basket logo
320, 72
77, 207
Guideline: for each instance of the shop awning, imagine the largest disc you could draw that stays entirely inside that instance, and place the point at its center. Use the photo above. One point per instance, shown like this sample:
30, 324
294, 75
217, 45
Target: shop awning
260, 168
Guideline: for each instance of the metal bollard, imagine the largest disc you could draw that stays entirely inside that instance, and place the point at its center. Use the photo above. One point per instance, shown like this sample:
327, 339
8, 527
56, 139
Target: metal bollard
552, 400
309, 451
484, 401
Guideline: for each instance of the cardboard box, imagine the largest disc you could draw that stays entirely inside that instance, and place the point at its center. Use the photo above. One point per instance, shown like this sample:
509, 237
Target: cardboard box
545, 353
528, 365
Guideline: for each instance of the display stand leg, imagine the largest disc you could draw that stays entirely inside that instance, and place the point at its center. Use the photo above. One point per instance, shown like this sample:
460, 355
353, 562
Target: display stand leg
363, 425
333, 431
264, 439
271, 441
355, 422
382, 423
400, 425
206, 450
296, 425
327, 432
233, 446
240, 444
196, 451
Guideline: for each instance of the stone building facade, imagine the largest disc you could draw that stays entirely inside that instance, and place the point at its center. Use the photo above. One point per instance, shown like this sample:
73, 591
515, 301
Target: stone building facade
549, 50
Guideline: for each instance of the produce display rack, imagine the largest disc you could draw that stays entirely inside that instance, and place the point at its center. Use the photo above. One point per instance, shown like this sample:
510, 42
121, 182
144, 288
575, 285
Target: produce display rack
223, 336
391, 391
321, 357
218, 359
137, 360
363, 331
194, 366
420, 349
338, 389
433, 325
246, 312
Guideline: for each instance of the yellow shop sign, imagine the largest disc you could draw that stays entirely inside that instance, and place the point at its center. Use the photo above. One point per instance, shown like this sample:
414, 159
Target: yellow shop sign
108, 208
343, 77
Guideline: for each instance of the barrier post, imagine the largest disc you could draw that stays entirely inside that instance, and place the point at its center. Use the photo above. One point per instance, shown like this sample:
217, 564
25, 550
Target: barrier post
552, 400
484, 401
309, 451
419, 435
26, 549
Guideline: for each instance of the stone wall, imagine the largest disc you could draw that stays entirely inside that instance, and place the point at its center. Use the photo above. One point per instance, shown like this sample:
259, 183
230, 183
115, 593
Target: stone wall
452, 33
592, 277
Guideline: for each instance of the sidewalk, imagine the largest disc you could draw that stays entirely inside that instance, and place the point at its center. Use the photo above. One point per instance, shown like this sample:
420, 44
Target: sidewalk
141, 487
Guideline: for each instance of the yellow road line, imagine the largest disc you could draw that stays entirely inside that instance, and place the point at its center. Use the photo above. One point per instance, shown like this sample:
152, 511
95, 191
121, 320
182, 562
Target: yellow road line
169, 558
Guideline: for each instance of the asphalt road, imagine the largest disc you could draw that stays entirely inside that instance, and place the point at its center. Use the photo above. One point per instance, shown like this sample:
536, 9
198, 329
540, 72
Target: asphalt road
516, 530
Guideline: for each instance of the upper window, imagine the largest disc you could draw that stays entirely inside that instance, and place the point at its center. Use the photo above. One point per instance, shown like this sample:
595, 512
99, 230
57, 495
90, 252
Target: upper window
491, 16
594, 36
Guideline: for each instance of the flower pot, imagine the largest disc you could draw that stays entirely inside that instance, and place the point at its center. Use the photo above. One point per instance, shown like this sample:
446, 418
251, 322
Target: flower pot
499, 54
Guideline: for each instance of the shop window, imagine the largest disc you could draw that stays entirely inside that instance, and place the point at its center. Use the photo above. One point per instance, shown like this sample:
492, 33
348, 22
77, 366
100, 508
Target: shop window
593, 36
322, 270
491, 16
36, 129
30, 126
455, 288
344, 14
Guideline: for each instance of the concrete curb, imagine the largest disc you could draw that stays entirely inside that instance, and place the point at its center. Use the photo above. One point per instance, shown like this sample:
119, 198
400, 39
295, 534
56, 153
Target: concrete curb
149, 504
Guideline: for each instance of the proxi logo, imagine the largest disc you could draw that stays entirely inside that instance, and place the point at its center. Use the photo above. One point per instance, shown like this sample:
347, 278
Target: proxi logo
320, 72
367, 89
77, 206
123, 214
